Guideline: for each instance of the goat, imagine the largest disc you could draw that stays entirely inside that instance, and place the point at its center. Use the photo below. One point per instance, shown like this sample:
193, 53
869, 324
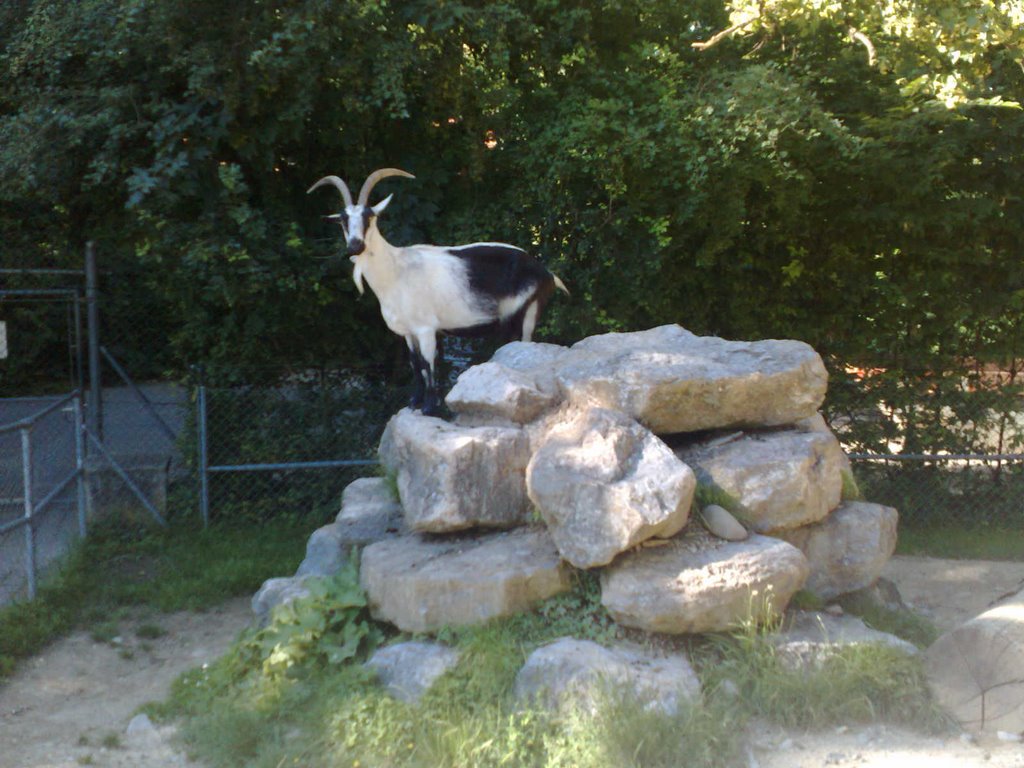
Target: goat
465, 290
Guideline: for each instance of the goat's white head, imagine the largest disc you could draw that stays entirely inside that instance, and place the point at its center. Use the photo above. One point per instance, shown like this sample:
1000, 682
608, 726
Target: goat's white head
357, 218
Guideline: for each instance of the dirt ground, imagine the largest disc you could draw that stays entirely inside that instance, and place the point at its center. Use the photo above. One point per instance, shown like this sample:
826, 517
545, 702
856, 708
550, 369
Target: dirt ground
71, 705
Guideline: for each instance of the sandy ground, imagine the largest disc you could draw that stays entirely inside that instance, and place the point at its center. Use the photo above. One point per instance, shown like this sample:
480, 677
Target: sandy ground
71, 705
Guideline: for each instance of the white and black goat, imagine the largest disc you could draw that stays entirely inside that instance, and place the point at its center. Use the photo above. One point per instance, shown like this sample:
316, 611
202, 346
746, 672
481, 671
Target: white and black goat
465, 290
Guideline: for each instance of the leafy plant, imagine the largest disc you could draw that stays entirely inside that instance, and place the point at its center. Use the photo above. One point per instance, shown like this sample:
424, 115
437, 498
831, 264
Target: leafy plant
329, 626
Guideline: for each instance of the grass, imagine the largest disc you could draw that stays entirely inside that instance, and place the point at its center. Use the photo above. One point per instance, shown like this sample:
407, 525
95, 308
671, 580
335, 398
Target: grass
975, 541
126, 565
240, 712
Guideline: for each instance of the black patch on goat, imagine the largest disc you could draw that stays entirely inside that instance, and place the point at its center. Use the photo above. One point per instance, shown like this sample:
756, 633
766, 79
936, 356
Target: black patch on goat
499, 271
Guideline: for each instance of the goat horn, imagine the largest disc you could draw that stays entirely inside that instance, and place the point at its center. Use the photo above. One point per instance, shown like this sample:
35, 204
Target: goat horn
335, 182
373, 178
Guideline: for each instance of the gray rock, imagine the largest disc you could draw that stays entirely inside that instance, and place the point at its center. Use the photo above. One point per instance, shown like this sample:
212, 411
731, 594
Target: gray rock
603, 484
720, 522
698, 583
778, 480
422, 584
492, 392
537, 361
275, 592
673, 381
808, 639
408, 670
368, 513
141, 729
882, 593
578, 674
325, 552
451, 477
976, 671
849, 549
368, 496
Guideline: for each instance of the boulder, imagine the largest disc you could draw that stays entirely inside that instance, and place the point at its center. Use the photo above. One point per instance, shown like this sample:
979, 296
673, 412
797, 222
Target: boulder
603, 484
421, 584
699, 583
848, 550
329, 547
776, 480
367, 495
407, 670
494, 393
578, 674
453, 477
807, 639
976, 671
674, 381
538, 361
275, 592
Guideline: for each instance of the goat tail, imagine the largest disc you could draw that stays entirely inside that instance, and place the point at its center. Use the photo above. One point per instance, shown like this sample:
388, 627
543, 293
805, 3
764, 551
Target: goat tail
560, 285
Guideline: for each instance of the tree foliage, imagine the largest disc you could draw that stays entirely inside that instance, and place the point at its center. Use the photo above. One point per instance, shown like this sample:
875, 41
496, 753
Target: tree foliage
847, 173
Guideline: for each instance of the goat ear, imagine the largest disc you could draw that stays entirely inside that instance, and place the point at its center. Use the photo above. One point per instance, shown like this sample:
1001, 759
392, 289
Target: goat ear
378, 209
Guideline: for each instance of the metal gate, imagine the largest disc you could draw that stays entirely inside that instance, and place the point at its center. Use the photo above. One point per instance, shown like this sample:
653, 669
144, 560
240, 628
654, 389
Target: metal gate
53, 456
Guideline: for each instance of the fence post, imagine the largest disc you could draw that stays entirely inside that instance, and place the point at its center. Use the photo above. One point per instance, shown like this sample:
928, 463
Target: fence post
93, 322
30, 534
204, 474
79, 464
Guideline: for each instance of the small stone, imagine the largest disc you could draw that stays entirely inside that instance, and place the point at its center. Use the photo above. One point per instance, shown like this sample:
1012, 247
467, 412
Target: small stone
729, 688
834, 610
720, 522
1007, 736
141, 729
140, 724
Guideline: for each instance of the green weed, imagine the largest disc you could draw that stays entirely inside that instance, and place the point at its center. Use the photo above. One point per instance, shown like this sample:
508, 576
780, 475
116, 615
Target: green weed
150, 631
856, 684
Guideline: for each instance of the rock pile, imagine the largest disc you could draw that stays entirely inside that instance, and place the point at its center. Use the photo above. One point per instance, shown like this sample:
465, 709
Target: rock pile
600, 455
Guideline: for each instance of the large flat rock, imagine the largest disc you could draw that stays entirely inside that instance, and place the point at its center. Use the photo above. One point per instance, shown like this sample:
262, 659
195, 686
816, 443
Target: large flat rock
674, 381
603, 483
698, 583
421, 584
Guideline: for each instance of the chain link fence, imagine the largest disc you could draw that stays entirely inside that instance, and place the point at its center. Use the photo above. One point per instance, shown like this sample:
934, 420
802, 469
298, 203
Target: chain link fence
288, 449
938, 448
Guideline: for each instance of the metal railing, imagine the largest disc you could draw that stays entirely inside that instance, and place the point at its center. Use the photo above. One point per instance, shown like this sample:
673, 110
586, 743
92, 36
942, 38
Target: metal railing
31, 509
